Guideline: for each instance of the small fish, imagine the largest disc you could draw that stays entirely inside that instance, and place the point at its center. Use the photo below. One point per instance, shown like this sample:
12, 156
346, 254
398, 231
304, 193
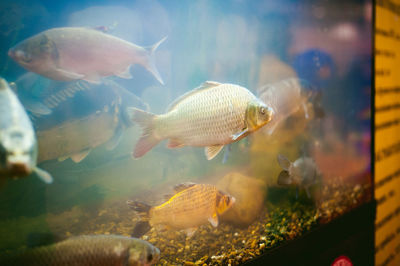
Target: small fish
285, 98
73, 53
191, 206
18, 145
86, 250
210, 116
302, 173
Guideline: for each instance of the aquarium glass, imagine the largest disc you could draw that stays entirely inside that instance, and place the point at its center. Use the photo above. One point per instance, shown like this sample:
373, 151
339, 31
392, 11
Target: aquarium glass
214, 130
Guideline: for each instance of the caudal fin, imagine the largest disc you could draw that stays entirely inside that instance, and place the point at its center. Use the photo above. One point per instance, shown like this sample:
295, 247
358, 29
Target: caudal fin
150, 64
148, 140
142, 226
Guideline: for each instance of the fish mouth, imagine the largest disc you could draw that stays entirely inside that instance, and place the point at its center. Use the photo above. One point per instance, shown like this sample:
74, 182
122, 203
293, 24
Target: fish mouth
19, 165
11, 53
19, 169
19, 56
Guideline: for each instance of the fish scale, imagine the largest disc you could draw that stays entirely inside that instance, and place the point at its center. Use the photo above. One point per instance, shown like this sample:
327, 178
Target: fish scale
213, 106
86, 250
210, 116
193, 205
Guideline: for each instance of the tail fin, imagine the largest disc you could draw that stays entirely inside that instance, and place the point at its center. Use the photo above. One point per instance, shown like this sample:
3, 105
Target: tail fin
143, 225
150, 64
141, 228
147, 141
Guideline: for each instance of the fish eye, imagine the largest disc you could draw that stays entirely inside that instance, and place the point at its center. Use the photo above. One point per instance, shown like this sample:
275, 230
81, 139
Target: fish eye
262, 111
149, 257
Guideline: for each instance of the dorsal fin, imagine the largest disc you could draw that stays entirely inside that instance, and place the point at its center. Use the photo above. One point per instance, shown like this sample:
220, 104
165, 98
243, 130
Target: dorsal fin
203, 86
182, 186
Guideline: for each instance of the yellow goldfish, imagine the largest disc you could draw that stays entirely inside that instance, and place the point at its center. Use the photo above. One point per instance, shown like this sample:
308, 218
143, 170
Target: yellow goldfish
192, 205
210, 116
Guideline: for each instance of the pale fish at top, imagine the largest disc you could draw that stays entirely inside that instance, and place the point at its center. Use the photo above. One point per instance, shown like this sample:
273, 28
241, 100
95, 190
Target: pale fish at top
18, 145
302, 173
72, 53
210, 116
286, 97
99, 250
192, 205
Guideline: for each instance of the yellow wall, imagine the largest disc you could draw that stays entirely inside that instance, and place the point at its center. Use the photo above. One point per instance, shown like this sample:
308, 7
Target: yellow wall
387, 132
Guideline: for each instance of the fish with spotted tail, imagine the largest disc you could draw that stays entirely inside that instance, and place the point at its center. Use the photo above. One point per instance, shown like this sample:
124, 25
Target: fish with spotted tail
210, 116
85, 250
73, 53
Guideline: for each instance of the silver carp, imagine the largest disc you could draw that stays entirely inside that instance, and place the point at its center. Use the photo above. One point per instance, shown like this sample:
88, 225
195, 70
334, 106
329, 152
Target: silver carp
210, 116
73, 53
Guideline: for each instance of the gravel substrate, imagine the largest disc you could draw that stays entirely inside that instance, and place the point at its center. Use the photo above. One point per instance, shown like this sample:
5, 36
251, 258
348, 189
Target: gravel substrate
227, 245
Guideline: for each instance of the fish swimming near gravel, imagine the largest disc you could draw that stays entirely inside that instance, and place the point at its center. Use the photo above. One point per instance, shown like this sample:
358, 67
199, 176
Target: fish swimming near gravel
286, 97
210, 116
302, 173
73, 53
192, 205
86, 250
18, 145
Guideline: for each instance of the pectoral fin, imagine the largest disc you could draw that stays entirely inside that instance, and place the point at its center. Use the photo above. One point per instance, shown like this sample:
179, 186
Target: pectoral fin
126, 74
78, 157
228, 149
212, 151
63, 158
284, 178
69, 74
173, 143
43, 175
190, 231
95, 79
283, 162
36, 107
271, 126
214, 220
305, 110
238, 135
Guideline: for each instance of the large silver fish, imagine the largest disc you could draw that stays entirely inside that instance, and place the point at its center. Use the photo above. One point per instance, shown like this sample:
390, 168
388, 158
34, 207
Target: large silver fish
86, 250
210, 116
18, 146
73, 53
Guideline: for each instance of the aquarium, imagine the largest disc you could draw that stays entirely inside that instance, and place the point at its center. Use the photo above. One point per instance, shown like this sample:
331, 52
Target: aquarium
179, 132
